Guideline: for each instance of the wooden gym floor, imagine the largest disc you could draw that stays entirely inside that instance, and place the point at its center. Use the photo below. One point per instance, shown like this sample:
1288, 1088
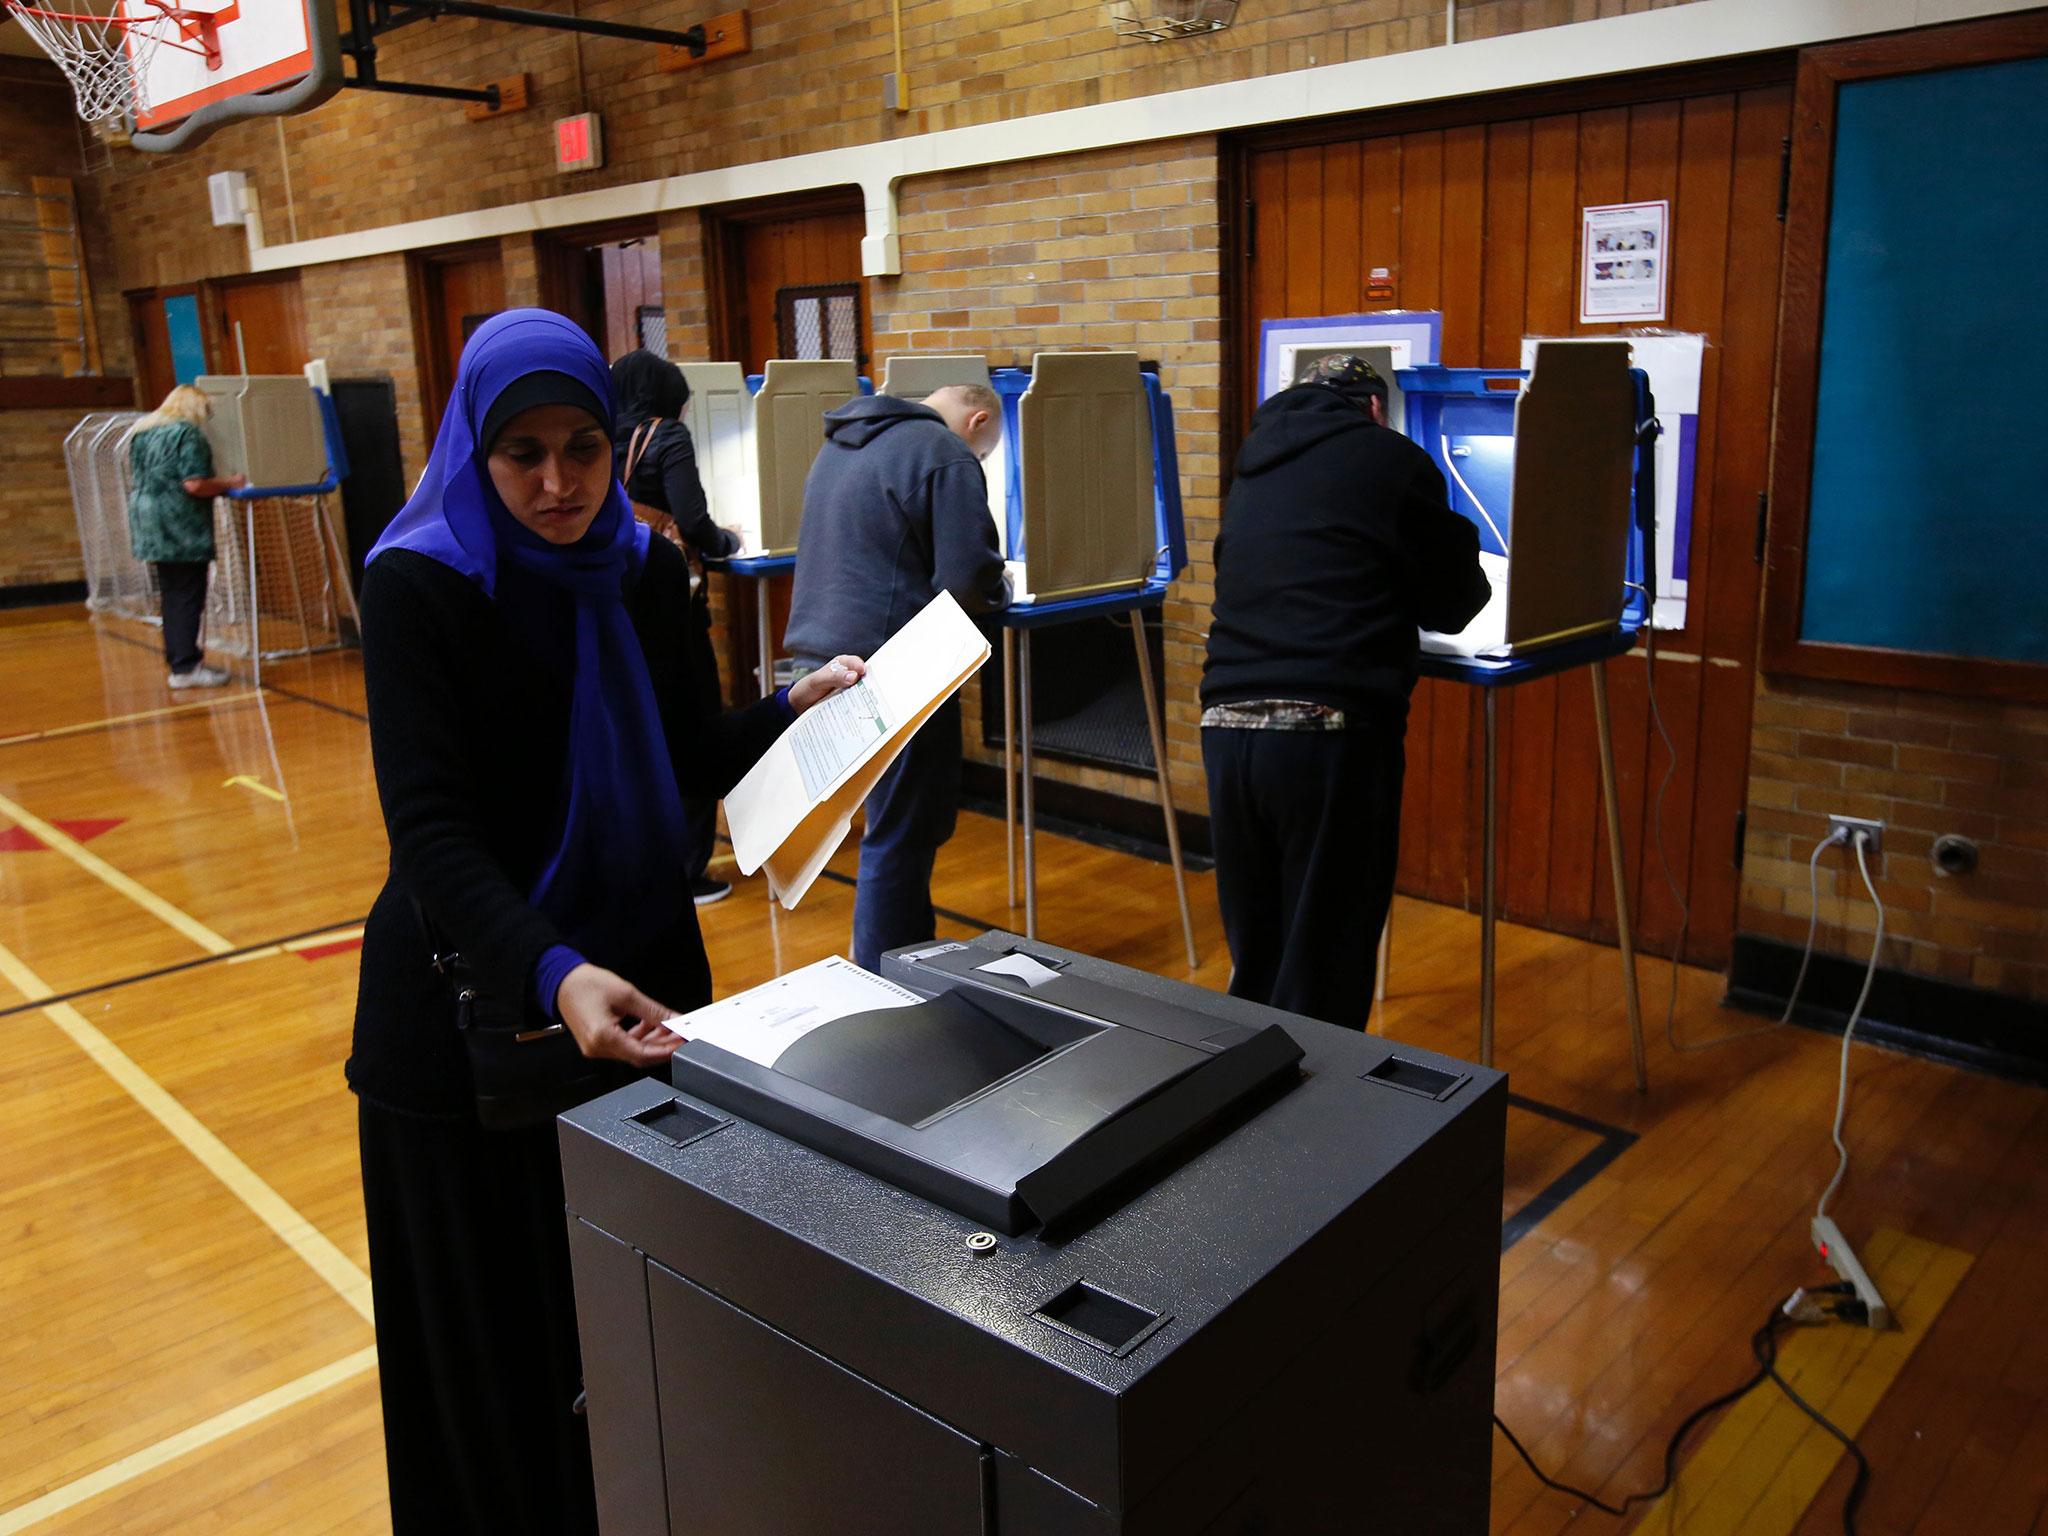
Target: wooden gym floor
181, 1247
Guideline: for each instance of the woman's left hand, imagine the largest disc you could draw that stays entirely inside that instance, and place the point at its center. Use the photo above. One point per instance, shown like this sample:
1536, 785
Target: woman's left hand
837, 675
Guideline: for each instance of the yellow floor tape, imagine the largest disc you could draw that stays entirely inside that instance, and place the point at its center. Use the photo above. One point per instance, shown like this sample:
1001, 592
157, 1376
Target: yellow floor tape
1765, 1462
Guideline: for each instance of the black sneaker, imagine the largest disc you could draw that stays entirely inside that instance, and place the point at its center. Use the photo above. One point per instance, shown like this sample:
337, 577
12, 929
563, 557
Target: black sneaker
707, 890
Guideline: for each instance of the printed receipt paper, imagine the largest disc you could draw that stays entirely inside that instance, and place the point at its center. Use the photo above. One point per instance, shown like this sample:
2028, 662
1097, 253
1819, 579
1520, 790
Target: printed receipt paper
795, 806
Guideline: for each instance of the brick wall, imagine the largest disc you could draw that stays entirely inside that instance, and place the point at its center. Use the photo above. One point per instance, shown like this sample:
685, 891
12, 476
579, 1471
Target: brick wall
359, 317
1118, 249
40, 136
815, 80
1924, 764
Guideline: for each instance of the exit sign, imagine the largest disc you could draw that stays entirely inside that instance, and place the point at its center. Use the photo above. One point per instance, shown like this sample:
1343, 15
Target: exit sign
579, 142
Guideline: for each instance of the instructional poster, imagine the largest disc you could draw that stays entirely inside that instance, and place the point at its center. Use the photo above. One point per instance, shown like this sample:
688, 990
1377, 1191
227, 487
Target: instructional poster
1624, 254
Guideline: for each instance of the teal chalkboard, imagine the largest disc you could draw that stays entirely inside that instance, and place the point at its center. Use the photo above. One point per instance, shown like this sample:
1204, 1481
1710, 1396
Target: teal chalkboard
1928, 528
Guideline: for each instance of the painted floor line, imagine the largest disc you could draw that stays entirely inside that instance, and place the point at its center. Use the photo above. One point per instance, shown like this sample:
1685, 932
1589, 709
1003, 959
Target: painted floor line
205, 1433
127, 885
268, 1206
141, 714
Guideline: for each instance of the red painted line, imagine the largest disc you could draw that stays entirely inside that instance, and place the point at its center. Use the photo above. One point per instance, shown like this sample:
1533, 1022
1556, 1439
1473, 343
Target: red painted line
322, 951
19, 840
87, 829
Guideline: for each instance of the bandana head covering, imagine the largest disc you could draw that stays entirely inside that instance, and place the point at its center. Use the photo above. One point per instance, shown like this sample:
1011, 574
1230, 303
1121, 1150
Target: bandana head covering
614, 880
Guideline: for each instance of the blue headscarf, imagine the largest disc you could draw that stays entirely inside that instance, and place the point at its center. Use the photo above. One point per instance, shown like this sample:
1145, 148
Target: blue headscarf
614, 880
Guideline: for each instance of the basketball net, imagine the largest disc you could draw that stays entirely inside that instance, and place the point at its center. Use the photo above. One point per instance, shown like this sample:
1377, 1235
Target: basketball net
106, 58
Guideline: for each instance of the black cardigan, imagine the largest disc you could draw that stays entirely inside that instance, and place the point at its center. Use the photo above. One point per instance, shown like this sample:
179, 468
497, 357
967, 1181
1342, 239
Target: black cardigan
469, 736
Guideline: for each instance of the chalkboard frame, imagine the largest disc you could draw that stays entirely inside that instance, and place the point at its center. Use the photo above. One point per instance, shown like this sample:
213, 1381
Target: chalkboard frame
1809, 191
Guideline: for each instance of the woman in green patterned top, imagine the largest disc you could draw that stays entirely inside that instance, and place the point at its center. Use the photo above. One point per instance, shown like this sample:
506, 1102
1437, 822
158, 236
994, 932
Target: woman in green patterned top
171, 486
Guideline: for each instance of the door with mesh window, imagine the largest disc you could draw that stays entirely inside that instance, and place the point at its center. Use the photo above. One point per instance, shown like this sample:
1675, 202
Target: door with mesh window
822, 321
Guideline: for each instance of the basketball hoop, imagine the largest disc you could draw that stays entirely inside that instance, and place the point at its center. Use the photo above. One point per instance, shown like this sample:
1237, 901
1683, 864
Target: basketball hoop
107, 57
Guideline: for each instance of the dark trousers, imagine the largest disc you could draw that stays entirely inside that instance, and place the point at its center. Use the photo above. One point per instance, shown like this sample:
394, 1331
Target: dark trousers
700, 817
1306, 827
910, 814
182, 586
477, 1353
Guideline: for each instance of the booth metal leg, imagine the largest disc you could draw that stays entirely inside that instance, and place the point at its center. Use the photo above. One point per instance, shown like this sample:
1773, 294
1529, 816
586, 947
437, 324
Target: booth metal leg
763, 640
1010, 761
255, 612
1153, 724
1486, 893
1623, 928
1030, 808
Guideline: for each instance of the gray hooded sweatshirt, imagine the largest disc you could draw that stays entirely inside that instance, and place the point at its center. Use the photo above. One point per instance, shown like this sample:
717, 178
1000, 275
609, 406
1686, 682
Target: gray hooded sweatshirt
895, 512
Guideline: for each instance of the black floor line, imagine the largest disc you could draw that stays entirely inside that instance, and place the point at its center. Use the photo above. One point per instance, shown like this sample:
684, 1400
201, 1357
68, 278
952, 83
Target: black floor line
318, 703
170, 970
1613, 1142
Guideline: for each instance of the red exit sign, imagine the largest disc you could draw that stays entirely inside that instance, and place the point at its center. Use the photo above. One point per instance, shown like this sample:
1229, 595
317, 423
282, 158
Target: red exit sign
579, 142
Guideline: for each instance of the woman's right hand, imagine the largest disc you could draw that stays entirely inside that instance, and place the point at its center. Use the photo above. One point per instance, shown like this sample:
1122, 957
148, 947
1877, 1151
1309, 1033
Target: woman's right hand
614, 1020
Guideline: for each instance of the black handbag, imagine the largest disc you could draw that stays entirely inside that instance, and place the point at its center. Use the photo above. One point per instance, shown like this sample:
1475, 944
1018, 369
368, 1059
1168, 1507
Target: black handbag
524, 1069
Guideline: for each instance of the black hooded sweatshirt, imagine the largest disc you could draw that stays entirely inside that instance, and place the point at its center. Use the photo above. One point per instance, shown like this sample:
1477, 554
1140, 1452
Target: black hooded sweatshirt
649, 387
895, 512
1336, 545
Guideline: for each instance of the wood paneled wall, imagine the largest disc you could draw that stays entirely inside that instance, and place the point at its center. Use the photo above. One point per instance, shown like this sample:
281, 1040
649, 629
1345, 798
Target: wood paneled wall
1480, 220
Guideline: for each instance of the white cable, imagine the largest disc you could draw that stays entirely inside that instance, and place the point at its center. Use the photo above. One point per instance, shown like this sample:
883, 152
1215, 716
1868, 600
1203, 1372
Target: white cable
1445, 443
1849, 1030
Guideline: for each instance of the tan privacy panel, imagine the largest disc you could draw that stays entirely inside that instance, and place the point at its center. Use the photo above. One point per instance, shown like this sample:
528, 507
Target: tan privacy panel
1085, 430
1574, 460
912, 377
789, 429
915, 377
266, 426
720, 417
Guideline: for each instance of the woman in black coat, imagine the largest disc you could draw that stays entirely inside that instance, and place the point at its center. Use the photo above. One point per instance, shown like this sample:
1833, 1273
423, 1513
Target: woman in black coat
535, 718
656, 462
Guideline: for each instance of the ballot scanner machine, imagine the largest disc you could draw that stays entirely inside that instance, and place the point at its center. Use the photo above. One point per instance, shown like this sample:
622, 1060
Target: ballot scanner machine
1065, 1249
1555, 467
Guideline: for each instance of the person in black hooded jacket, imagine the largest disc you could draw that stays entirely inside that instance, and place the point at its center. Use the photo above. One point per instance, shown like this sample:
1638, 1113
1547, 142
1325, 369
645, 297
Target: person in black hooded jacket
896, 512
1336, 546
656, 461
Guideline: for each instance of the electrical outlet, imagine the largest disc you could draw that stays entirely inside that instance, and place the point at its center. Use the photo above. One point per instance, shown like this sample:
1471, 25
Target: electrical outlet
1849, 826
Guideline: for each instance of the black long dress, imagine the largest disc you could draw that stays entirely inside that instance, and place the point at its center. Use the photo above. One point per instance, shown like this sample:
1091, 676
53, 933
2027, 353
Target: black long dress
469, 1256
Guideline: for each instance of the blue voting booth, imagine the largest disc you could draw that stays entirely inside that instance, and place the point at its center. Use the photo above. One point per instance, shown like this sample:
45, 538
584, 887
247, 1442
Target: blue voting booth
1464, 418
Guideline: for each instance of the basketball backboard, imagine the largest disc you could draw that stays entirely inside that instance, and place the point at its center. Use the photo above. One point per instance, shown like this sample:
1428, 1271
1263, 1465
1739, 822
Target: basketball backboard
243, 59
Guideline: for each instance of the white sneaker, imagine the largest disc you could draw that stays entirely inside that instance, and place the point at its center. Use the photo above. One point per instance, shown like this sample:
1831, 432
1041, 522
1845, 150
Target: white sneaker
201, 676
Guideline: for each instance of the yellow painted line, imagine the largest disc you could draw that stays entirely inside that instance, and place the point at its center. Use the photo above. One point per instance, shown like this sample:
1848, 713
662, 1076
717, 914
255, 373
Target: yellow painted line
100, 869
205, 1433
1765, 1462
339, 936
32, 987
271, 1208
140, 714
251, 782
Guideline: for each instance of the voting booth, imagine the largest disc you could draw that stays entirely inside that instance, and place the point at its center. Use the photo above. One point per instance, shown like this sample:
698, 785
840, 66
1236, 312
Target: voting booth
1554, 469
1046, 1246
1084, 487
756, 436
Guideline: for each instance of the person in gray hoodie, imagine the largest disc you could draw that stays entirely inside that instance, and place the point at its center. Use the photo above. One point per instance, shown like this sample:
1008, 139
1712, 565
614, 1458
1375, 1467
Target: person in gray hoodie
896, 512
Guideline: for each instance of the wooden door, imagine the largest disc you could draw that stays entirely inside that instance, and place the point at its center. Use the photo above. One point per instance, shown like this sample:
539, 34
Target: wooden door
766, 256
762, 252
1479, 219
272, 325
458, 291
607, 278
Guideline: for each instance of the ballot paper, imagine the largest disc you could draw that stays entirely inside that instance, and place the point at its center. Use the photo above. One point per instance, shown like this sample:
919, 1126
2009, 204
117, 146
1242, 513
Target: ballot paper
763, 1022
1488, 630
795, 806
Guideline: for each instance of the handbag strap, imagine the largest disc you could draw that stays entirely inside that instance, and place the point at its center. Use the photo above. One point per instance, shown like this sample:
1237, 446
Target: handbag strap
636, 445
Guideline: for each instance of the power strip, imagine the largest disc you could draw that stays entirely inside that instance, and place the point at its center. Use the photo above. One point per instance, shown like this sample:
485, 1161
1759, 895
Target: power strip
1841, 1258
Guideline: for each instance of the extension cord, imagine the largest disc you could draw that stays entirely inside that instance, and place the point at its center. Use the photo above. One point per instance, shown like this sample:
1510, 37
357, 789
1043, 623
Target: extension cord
1841, 1258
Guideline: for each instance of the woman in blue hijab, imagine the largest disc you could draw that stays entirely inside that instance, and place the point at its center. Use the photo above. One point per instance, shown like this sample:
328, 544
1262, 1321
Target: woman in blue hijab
535, 724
